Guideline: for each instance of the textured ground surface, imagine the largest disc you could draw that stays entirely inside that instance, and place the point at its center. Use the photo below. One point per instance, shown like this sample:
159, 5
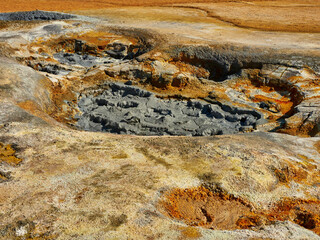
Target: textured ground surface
279, 15
131, 110
33, 15
60, 182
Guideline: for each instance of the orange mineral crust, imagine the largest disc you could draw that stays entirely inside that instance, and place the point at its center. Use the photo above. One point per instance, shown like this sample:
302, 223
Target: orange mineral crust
219, 210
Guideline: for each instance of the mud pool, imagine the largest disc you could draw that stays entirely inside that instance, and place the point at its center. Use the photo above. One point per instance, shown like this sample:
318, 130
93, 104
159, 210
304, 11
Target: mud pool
126, 109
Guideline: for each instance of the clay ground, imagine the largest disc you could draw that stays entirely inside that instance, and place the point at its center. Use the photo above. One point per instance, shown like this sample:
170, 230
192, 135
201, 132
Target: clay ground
283, 15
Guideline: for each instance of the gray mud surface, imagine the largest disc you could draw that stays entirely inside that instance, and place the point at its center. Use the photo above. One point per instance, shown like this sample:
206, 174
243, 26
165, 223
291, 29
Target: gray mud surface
126, 109
84, 60
34, 15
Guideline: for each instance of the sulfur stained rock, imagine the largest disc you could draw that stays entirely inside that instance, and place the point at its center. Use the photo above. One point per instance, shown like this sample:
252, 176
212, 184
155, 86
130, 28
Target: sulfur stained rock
162, 74
75, 182
7, 155
180, 80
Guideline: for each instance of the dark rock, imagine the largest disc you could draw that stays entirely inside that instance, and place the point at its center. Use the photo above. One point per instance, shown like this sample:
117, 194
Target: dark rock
78, 46
34, 15
84, 60
130, 56
89, 48
128, 83
224, 61
117, 55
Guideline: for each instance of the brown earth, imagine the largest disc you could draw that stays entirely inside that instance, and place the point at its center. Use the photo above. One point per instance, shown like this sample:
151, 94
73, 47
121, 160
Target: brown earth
67, 5
300, 16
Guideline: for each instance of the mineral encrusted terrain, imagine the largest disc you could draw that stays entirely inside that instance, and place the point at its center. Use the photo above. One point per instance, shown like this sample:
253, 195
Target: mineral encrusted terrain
81, 96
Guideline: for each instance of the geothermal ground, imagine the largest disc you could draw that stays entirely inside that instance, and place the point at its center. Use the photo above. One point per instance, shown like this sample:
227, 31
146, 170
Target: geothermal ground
162, 119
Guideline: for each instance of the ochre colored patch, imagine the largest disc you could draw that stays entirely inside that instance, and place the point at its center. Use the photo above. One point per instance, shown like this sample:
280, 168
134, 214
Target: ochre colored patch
3, 177
300, 129
7, 155
280, 15
298, 172
284, 104
275, 99
71, 5
94, 42
201, 207
189, 233
306, 213
246, 222
217, 209
63, 107
317, 146
36, 110
121, 155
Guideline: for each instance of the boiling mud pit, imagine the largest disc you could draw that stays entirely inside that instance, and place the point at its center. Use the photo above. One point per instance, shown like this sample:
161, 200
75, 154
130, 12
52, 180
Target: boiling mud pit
127, 109
214, 81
